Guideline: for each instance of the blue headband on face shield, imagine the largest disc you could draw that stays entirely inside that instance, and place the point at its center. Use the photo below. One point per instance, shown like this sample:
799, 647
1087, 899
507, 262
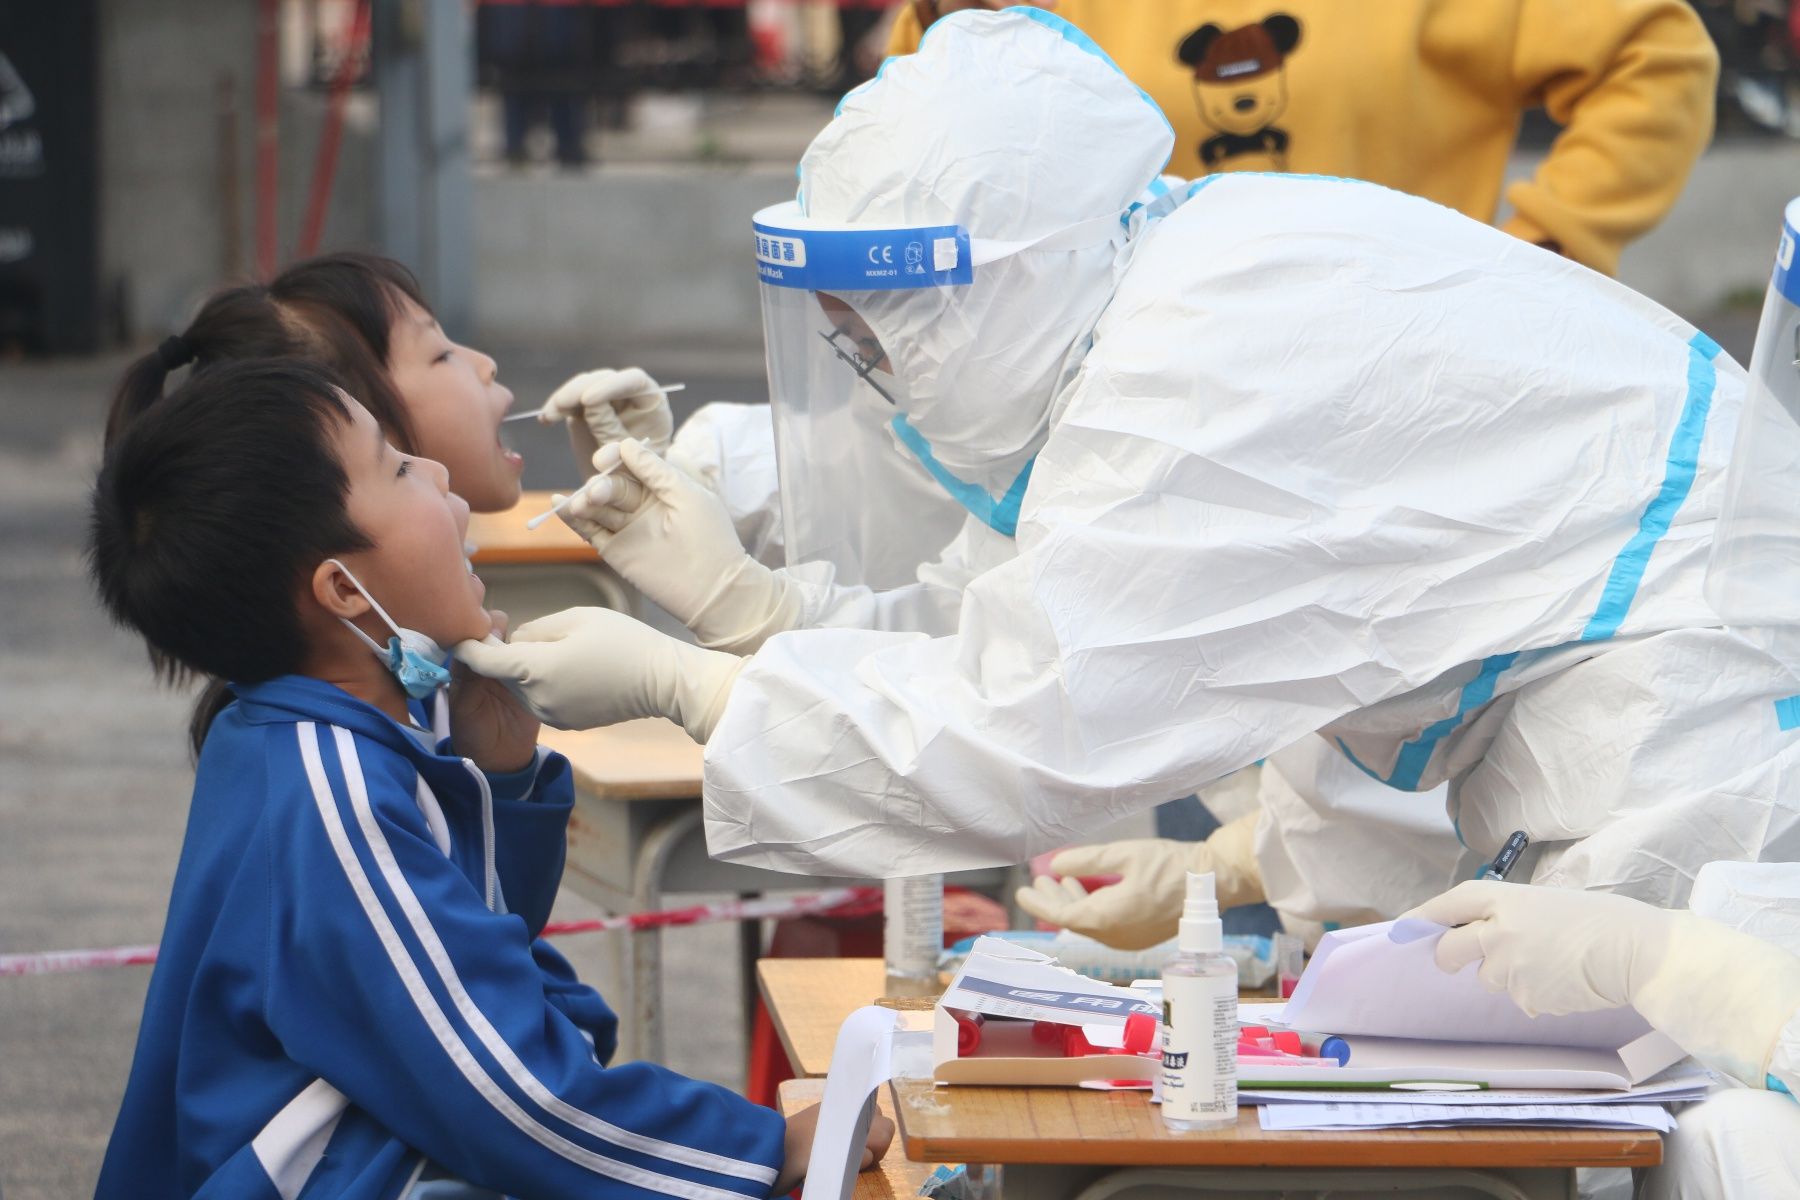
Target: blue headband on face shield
415, 660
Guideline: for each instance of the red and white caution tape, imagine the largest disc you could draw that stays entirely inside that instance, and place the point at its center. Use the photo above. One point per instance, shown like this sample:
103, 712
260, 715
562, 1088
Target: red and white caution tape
835, 902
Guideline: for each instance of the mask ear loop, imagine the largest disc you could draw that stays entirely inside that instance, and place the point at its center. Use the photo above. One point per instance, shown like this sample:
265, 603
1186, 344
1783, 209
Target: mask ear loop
381, 612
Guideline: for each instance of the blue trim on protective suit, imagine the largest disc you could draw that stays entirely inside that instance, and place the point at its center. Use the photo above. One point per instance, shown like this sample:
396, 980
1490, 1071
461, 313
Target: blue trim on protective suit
1409, 764
1787, 713
1775, 1085
1622, 581
1001, 515
1678, 479
1357, 762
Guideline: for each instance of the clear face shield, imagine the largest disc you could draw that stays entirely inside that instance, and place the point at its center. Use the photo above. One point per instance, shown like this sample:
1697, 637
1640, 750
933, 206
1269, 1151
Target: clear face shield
835, 391
1753, 578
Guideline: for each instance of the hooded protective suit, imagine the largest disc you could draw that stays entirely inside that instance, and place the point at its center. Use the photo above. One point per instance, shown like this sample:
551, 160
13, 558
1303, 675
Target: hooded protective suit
1316, 456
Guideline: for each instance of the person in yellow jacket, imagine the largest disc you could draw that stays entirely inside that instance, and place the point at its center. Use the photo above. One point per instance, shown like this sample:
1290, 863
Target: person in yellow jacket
1425, 96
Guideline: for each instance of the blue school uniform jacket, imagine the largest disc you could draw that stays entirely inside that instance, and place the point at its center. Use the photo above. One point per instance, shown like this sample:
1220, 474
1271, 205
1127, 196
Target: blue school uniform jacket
350, 988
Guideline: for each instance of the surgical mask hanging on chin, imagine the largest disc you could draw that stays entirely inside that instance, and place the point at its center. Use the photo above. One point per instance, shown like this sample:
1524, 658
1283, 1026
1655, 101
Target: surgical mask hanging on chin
418, 662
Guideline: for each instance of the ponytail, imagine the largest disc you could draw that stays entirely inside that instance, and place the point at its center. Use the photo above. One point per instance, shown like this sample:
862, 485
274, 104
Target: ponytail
214, 699
143, 383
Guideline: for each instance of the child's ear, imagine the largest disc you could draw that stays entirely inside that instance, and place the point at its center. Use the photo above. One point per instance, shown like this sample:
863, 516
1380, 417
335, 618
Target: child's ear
332, 589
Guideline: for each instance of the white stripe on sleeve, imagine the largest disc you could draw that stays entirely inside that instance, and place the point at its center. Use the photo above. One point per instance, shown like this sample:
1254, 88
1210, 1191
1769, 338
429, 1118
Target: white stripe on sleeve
497, 1045
290, 1146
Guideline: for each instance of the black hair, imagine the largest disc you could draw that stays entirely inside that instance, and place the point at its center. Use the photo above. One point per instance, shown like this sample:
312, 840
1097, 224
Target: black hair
211, 508
336, 310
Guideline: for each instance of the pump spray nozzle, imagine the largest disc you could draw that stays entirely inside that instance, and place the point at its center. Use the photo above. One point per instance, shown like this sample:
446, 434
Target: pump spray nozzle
1201, 931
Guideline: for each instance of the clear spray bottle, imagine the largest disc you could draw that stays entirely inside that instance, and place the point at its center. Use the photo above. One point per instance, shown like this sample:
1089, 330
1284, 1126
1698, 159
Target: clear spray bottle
1200, 1019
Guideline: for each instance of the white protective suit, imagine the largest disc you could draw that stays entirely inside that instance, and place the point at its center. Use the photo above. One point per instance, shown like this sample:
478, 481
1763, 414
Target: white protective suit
1326, 457
1334, 846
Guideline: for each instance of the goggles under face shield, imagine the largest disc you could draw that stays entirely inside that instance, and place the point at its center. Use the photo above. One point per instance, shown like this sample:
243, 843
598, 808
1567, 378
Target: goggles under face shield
859, 360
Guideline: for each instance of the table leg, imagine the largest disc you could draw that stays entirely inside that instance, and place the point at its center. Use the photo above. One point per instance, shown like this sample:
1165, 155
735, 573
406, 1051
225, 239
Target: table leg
749, 950
646, 944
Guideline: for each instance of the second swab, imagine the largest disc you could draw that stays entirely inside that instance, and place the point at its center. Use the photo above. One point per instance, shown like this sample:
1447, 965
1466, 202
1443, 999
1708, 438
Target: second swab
564, 502
535, 413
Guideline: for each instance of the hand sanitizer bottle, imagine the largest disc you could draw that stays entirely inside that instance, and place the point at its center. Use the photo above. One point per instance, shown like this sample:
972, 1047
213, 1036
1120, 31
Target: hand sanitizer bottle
1200, 1019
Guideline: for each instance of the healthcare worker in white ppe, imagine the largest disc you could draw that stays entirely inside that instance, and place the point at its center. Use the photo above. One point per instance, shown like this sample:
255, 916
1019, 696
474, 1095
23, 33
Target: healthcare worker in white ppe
1298, 455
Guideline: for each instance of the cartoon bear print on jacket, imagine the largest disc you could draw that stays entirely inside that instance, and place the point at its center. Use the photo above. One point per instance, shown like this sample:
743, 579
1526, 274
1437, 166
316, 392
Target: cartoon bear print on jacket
1240, 86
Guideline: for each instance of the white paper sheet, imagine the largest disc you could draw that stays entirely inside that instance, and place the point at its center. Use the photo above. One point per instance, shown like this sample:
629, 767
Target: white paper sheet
1382, 980
1293, 1117
861, 1061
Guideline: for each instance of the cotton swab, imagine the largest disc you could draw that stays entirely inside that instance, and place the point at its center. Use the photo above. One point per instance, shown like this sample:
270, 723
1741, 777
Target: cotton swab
564, 502
534, 413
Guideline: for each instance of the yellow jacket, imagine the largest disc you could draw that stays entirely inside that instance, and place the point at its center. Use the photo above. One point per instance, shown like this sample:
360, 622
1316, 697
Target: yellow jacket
1425, 96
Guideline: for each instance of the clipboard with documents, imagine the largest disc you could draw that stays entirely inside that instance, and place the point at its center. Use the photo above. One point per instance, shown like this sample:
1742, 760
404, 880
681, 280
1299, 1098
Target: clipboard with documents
1411, 1026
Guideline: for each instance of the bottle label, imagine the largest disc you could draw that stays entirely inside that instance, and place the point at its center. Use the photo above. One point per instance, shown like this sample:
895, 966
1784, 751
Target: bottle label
1200, 1037
913, 933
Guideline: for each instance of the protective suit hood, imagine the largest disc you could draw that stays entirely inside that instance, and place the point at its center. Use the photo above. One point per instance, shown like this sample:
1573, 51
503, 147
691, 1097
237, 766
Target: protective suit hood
1016, 127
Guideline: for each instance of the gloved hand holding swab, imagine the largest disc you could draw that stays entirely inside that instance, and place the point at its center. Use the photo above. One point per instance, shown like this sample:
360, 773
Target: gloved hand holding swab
562, 502
538, 414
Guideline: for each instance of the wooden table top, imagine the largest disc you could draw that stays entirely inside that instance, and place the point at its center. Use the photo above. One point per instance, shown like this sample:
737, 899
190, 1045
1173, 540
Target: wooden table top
808, 999
1074, 1125
895, 1176
502, 537
652, 759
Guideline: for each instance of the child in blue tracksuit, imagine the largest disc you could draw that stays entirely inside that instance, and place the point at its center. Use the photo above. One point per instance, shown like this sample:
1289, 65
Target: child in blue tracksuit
351, 1000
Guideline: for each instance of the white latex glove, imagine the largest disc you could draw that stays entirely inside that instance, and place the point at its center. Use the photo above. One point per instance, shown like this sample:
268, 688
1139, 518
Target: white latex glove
1144, 907
1723, 996
606, 406
673, 539
586, 667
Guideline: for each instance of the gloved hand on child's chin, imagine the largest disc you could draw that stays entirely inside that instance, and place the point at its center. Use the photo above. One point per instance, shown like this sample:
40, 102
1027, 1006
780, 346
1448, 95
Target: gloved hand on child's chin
491, 727
586, 667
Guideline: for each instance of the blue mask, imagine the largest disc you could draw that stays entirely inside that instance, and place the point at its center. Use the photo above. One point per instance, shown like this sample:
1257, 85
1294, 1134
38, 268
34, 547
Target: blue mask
418, 662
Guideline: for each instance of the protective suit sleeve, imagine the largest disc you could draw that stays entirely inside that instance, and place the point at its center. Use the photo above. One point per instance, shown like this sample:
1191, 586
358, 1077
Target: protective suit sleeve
972, 749
1324, 821
392, 981
929, 605
1632, 84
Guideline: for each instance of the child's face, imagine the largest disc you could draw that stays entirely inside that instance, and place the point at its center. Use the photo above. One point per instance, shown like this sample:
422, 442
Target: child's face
455, 403
416, 568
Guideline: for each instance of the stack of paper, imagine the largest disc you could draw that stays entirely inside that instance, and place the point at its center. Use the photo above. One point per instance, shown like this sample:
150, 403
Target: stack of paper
1429, 1049
1411, 1025
1677, 1087
1337, 1115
